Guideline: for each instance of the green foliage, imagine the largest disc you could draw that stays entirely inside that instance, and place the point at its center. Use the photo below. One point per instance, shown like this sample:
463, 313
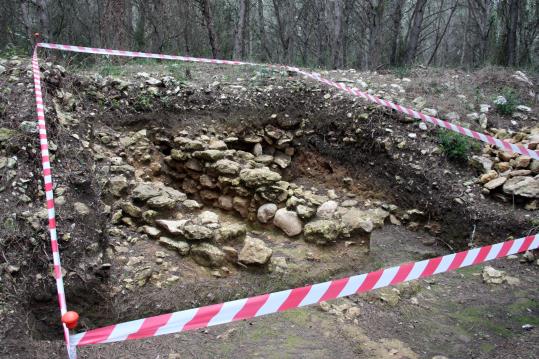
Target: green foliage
111, 70
455, 146
509, 102
178, 70
11, 51
401, 71
143, 102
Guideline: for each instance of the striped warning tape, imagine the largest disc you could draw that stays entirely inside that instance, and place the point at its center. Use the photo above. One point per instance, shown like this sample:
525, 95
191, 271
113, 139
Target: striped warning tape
504, 145
49, 195
253, 307
273, 302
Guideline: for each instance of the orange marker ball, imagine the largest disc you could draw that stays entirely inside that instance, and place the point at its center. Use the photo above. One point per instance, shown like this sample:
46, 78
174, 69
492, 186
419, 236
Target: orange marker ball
70, 319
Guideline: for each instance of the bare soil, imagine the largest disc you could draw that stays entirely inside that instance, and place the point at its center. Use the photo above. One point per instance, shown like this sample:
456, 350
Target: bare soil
456, 315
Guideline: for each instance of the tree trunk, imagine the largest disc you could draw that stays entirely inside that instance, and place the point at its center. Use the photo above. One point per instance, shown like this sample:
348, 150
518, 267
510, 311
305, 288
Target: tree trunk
262, 28
212, 35
337, 34
397, 19
464, 39
239, 38
511, 38
140, 27
113, 29
375, 38
283, 31
43, 15
26, 21
415, 31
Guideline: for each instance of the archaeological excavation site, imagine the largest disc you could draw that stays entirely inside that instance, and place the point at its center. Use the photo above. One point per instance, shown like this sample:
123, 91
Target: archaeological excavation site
181, 187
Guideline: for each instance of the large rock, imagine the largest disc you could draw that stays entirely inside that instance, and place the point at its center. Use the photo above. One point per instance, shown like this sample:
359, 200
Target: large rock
492, 275
357, 221
305, 212
181, 247
288, 222
151, 231
161, 202
322, 231
81, 208
266, 212
225, 202
378, 216
179, 155
327, 210
277, 192
196, 232
174, 227
174, 194
131, 209
259, 177
522, 186
145, 191
227, 167
189, 144
231, 231
208, 217
208, 255
118, 185
495, 183
209, 155
241, 204
481, 163
255, 251
282, 160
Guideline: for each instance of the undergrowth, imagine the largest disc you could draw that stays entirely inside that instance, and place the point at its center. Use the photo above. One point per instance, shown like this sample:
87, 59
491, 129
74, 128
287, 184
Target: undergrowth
507, 102
455, 146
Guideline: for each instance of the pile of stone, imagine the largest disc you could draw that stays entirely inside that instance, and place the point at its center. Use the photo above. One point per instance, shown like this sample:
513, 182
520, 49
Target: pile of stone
249, 182
507, 175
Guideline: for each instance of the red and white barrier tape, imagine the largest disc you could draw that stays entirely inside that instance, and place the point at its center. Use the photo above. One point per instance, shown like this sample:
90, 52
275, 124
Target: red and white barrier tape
274, 302
49, 195
504, 145
299, 297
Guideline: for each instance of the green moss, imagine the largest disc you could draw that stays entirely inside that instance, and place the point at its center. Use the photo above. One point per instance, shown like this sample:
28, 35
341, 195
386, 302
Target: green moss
298, 316
487, 347
6, 134
471, 271
143, 102
473, 319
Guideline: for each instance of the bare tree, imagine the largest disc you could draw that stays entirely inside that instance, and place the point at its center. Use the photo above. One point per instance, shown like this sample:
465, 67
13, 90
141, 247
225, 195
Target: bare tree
239, 38
337, 40
396, 30
208, 20
414, 31
113, 28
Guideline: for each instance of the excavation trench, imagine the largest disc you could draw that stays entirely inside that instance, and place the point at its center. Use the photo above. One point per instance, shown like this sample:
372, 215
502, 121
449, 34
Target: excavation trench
136, 273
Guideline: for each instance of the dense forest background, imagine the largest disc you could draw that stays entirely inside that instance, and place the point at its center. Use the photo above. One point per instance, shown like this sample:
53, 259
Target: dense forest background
363, 34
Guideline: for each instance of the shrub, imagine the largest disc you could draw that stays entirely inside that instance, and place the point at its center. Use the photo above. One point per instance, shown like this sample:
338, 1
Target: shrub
506, 103
455, 146
401, 71
143, 102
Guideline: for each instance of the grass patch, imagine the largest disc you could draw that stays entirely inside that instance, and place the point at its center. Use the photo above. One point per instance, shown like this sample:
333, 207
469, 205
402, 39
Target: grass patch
470, 271
456, 146
473, 319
